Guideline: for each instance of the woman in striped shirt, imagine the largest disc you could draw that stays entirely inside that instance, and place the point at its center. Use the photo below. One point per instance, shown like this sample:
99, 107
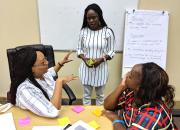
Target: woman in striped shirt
95, 47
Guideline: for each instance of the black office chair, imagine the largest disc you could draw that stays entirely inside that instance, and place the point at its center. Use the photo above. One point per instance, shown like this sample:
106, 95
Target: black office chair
49, 53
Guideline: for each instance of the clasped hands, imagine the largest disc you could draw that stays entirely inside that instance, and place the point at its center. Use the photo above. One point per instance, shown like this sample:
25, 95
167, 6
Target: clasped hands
92, 62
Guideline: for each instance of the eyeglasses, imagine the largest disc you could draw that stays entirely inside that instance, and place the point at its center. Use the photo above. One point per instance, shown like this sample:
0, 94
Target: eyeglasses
42, 62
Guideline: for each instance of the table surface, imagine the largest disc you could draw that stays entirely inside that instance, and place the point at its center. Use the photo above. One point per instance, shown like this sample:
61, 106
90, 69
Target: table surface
86, 116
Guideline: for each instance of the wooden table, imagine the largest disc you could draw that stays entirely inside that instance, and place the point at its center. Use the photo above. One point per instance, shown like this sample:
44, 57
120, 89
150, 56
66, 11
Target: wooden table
86, 116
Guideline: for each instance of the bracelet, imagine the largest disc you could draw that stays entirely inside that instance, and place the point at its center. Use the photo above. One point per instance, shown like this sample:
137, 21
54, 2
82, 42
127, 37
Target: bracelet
61, 65
119, 121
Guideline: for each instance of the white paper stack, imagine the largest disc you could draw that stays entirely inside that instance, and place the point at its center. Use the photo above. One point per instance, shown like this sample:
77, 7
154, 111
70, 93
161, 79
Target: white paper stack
7, 122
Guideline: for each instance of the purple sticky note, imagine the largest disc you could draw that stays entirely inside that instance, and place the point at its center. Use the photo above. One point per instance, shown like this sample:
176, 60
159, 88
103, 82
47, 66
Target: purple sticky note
24, 121
77, 109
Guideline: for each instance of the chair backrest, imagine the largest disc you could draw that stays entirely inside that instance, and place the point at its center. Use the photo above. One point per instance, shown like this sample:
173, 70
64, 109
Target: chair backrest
47, 49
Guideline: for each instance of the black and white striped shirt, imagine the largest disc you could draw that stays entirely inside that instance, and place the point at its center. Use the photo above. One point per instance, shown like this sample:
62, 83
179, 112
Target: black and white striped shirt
95, 44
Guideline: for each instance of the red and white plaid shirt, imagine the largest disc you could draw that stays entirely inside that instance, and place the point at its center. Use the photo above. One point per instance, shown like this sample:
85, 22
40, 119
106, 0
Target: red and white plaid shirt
146, 117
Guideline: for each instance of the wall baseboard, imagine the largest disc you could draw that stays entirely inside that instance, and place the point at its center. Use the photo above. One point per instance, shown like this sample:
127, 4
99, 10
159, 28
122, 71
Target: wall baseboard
79, 102
3, 100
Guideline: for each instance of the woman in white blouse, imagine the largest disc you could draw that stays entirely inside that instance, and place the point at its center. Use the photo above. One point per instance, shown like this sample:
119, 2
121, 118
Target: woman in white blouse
34, 87
95, 47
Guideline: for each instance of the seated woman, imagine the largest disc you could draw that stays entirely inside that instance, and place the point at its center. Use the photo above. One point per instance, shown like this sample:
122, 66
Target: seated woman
34, 87
142, 100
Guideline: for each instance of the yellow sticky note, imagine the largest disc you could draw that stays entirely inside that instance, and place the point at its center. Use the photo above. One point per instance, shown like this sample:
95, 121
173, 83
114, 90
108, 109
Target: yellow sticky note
97, 112
63, 121
90, 62
94, 124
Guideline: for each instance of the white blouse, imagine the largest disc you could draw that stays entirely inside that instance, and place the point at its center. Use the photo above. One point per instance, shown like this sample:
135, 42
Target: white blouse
95, 44
31, 98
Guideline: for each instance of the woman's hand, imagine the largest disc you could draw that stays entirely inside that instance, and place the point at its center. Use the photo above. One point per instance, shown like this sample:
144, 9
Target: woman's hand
111, 115
97, 62
85, 59
123, 82
67, 79
66, 58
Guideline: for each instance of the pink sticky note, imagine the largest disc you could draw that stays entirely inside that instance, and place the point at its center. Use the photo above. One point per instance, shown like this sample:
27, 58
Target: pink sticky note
77, 109
24, 121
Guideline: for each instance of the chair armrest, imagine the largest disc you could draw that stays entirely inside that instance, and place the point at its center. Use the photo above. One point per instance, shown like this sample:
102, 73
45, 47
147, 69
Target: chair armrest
70, 93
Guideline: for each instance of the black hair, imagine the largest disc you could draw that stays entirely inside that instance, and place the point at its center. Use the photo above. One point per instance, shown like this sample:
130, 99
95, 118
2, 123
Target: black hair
98, 10
24, 60
154, 86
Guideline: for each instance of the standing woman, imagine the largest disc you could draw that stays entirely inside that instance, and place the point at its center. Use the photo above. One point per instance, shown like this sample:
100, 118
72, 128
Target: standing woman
95, 47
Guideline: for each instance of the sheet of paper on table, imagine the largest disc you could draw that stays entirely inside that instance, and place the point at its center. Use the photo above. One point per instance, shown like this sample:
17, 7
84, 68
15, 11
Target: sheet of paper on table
7, 122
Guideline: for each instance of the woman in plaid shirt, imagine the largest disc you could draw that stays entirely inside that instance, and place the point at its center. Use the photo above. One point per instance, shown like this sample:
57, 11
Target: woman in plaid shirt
142, 100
